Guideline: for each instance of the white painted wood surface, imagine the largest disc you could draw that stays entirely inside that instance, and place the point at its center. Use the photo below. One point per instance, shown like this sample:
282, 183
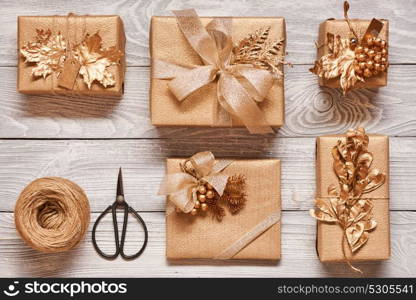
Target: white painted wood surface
87, 139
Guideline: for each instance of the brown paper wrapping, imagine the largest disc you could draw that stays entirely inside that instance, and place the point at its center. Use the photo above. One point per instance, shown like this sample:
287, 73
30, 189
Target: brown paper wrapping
203, 237
329, 236
110, 29
340, 27
168, 43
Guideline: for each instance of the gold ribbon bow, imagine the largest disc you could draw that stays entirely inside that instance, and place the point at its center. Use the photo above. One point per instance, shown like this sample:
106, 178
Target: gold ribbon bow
239, 86
181, 187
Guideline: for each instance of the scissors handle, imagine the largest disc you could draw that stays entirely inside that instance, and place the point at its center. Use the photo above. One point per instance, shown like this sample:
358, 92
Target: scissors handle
128, 210
119, 245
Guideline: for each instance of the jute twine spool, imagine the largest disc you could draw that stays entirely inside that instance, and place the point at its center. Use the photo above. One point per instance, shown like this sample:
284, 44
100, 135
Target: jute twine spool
52, 214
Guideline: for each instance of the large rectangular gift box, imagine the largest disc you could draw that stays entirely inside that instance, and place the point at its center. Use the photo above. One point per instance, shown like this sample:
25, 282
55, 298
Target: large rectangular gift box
329, 235
73, 30
168, 43
204, 237
340, 27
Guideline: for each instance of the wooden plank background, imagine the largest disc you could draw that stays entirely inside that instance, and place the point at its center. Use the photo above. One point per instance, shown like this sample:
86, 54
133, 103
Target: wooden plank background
87, 139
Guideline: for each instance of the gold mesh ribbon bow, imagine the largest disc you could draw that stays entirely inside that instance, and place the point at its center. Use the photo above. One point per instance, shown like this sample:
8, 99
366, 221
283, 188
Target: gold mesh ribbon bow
347, 207
199, 170
239, 86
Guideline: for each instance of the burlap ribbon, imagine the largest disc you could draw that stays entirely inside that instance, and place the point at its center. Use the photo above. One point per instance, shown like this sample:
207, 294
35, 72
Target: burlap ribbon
239, 86
181, 187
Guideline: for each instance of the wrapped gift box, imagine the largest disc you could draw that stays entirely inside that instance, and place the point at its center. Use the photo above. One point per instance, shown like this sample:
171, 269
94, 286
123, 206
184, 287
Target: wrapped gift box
168, 43
329, 236
73, 28
340, 27
204, 237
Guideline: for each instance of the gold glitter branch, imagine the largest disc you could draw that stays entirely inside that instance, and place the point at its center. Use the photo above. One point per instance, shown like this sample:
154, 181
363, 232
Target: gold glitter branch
345, 206
259, 51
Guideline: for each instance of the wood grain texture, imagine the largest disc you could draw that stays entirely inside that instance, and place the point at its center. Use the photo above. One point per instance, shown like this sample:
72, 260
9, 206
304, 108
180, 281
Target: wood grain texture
120, 134
310, 110
302, 18
94, 166
298, 251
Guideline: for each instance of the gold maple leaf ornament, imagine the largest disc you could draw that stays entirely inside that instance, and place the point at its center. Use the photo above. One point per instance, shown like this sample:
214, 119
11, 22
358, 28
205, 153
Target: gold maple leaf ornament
50, 52
95, 60
47, 52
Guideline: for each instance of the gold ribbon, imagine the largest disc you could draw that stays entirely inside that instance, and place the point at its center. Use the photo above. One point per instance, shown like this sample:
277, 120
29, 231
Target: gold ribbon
181, 187
239, 87
250, 236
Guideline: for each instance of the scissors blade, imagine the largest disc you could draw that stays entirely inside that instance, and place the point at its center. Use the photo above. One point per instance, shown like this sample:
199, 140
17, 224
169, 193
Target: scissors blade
120, 190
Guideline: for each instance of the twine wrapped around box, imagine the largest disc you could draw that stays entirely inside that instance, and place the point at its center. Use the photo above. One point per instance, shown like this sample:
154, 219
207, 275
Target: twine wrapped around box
71, 55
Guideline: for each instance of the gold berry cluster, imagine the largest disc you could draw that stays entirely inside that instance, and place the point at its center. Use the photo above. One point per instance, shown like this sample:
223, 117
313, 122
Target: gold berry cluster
371, 58
205, 193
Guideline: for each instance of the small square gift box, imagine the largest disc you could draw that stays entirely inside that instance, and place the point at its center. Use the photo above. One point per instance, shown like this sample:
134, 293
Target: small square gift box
352, 197
217, 71
71, 55
352, 53
222, 209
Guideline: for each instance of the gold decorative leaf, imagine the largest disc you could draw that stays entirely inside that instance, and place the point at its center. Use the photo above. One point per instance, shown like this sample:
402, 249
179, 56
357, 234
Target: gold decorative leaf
95, 60
354, 233
322, 216
47, 53
339, 62
374, 180
258, 51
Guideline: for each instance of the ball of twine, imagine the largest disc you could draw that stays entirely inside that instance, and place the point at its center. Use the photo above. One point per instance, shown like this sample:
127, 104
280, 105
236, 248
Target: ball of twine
52, 214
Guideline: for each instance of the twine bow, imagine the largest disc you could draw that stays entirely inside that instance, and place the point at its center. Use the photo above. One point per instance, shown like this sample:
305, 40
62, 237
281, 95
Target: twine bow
239, 86
200, 168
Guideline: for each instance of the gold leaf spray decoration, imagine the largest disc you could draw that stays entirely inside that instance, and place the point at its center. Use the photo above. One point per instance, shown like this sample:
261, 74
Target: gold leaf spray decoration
49, 53
353, 59
209, 200
258, 51
346, 206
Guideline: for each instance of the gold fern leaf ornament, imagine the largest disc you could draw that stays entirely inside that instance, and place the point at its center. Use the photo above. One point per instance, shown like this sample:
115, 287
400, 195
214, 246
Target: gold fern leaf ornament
260, 52
345, 205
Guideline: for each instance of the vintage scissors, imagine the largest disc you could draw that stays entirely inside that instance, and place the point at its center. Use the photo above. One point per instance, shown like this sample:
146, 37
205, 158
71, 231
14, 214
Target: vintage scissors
120, 203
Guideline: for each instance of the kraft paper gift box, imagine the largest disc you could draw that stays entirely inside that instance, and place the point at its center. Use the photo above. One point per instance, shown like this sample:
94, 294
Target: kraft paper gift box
204, 237
73, 29
330, 236
340, 27
168, 43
